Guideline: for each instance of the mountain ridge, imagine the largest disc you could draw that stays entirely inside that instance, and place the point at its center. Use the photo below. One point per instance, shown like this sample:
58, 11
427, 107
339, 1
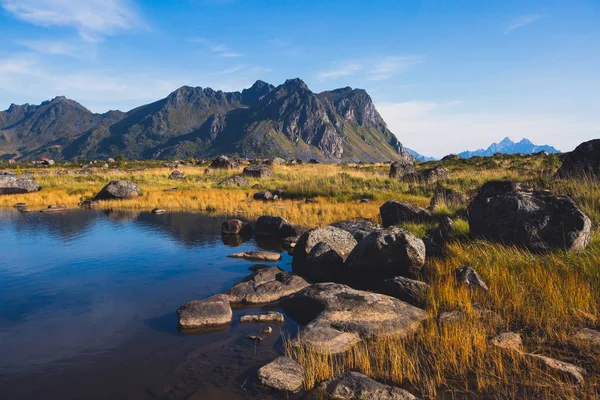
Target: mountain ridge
288, 120
507, 146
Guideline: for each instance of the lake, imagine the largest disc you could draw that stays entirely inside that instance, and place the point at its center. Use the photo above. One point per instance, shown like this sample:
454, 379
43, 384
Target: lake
88, 301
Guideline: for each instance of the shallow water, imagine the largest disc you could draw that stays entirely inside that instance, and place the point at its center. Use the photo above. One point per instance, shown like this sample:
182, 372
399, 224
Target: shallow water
88, 300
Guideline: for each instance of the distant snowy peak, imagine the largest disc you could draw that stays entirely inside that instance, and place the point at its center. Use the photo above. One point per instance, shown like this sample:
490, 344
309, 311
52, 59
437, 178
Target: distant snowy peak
507, 146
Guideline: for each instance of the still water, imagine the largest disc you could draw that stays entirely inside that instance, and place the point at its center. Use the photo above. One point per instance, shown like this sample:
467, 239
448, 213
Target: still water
88, 301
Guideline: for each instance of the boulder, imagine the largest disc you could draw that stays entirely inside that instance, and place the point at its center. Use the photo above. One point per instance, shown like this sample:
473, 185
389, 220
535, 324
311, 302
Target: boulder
448, 197
278, 193
468, 276
584, 161
13, 185
313, 161
356, 386
283, 374
341, 316
234, 181
266, 285
258, 171
277, 227
338, 240
211, 312
587, 337
508, 341
276, 161
359, 228
257, 255
451, 157
177, 175
119, 190
431, 175
323, 264
436, 239
409, 290
272, 317
506, 212
263, 195
47, 162
386, 253
223, 162
394, 212
399, 169
236, 227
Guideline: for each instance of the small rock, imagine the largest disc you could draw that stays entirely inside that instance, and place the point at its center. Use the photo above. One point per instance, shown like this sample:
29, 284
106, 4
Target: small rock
574, 372
236, 227
257, 255
283, 374
158, 211
236, 181
255, 338
266, 331
266, 285
354, 385
214, 311
470, 277
263, 195
177, 175
20, 205
273, 317
588, 337
258, 171
509, 341
54, 209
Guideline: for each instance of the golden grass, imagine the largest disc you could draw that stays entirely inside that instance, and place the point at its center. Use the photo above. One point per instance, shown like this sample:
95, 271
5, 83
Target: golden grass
545, 297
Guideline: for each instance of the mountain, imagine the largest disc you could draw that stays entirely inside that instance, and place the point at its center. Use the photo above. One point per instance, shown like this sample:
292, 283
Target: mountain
288, 121
507, 146
419, 156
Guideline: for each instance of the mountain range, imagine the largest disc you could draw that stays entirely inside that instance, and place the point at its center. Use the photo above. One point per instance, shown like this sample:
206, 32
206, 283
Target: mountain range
262, 121
507, 146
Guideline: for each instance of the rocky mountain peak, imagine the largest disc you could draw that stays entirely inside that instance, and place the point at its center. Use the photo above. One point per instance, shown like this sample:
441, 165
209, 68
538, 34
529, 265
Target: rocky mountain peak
256, 92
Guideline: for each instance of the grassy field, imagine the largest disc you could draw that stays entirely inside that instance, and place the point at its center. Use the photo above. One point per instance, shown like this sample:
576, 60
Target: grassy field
544, 297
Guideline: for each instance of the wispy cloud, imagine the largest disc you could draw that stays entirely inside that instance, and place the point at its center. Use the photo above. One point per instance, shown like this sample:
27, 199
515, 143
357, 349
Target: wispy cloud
522, 21
220, 50
387, 67
91, 18
375, 69
343, 69
51, 47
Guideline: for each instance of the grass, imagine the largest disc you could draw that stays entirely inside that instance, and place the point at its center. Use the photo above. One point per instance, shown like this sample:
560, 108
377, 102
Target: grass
544, 297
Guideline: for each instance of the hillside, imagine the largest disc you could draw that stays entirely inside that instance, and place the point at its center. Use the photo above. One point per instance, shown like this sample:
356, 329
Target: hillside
262, 121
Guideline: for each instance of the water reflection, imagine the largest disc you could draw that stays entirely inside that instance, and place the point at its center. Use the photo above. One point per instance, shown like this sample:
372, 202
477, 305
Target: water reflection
96, 292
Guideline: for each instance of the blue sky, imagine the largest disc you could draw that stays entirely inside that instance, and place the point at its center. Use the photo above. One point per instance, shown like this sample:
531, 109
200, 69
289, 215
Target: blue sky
446, 75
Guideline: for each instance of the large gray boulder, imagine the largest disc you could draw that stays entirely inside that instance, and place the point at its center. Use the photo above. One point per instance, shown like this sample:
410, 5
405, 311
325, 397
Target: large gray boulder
323, 264
119, 190
338, 240
584, 161
211, 312
399, 169
356, 386
234, 181
13, 185
359, 227
394, 212
506, 212
223, 162
258, 171
409, 290
277, 227
428, 176
386, 253
266, 285
339, 316
283, 374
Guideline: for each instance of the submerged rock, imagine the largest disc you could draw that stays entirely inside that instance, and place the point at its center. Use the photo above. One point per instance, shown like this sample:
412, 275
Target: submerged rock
257, 255
211, 312
272, 317
236, 227
283, 374
266, 285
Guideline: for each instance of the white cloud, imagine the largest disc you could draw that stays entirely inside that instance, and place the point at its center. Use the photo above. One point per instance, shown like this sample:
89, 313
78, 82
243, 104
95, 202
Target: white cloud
53, 47
220, 50
522, 21
91, 18
343, 69
440, 128
387, 67
375, 69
